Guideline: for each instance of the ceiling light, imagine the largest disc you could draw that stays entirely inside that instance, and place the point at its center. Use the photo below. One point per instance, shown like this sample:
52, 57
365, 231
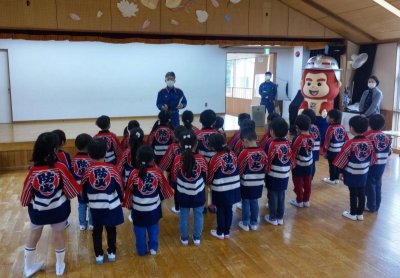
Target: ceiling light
388, 7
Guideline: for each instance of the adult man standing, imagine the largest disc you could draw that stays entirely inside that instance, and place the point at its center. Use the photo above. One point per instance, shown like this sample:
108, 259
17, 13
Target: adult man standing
268, 93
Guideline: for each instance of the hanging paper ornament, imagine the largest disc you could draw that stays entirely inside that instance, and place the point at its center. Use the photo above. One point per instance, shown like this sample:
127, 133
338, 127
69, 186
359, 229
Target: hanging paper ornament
215, 3
127, 9
99, 14
151, 4
146, 24
202, 16
174, 22
234, 1
228, 18
74, 17
172, 4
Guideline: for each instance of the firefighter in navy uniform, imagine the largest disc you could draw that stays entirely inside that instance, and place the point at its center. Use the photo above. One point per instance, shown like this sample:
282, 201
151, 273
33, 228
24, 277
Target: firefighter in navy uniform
268, 93
171, 99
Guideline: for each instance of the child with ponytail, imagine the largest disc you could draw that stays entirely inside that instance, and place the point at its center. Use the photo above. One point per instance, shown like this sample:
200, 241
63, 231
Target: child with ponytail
225, 183
187, 119
161, 135
146, 188
189, 172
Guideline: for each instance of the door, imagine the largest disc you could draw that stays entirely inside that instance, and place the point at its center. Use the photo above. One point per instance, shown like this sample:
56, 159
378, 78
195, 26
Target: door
5, 90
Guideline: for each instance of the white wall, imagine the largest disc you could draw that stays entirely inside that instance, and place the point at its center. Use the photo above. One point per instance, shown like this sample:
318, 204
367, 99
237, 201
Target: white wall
385, 69
66, 80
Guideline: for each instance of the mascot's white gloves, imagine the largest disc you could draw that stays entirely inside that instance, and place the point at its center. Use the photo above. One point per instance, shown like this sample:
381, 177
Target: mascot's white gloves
324, 113
300, 111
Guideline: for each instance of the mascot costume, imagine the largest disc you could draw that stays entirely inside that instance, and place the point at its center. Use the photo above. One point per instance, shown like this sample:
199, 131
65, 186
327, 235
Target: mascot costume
320, 85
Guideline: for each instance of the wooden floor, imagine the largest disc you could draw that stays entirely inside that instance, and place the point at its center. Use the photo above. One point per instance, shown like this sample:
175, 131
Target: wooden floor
314, 242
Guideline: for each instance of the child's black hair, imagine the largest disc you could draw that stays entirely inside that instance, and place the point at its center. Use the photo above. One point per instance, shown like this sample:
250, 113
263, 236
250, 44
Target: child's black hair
272, 116
219, 123
248, 124
303, 122
335, 115
207, 118
311, 114
187, 118
248, 133
145, 155
82, 141
44, 149
164, 119
103, 122
280, 127
377, 122
131, 124
188, 141
97, 148
242, 117
136, 140
217, 142
61, 138
359, 124
178, 130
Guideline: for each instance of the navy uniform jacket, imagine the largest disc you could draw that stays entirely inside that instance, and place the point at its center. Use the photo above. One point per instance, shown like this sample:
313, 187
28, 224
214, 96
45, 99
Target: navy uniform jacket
171, 97
354, 160
268, 92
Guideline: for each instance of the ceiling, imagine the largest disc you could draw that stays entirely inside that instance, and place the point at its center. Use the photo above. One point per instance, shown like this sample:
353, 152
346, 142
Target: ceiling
361, 21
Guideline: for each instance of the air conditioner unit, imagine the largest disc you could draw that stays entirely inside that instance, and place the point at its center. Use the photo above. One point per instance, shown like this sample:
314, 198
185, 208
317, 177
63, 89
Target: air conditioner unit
258, 115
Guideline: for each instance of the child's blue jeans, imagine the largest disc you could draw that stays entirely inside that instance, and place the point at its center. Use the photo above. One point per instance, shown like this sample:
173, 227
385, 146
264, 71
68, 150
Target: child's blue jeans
142, 246
184, 222
250, 211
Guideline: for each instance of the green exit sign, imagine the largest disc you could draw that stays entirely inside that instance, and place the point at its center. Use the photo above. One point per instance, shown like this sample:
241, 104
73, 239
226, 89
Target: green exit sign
266, 51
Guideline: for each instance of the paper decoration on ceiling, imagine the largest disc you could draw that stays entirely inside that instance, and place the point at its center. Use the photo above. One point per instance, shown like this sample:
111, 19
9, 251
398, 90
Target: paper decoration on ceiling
146, 24
172, 4
202, 16
234, 1
74, 17
215, 3
99, 14
228, 18
174, 22
127, 8
151, 4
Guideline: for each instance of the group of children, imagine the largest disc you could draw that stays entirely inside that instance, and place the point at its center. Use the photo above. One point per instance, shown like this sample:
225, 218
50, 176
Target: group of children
107, 175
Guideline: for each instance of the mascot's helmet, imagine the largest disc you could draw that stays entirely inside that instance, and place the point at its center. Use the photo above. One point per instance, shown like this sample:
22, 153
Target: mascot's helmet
322, 62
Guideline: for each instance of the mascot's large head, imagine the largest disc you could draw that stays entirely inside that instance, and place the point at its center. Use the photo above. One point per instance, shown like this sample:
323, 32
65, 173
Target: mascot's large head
321, 78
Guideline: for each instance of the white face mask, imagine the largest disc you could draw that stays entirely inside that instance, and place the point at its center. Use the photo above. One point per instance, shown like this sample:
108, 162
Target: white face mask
170, 83
371, 85
267, 78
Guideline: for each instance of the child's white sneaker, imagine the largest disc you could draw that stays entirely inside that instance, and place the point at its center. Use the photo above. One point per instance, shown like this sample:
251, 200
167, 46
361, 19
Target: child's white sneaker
184, 242
215, 234
100, 259
82, 227
174, 210
280, 221
239, 205
337, 181
296, 204
60, 268
243, 227
153, 252
111, 257
306, 204
272, 222
196, 242
266, 205
360, 217
130, 217
348, 215
227, 236
329, 181
254, 227
29, 271
90, 227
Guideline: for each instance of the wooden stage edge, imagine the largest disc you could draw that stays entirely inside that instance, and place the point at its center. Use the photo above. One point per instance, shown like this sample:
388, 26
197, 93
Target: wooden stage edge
17, 139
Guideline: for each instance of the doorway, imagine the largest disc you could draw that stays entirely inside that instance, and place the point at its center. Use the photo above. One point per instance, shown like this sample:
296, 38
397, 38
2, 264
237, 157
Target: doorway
5, 89
244, 74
